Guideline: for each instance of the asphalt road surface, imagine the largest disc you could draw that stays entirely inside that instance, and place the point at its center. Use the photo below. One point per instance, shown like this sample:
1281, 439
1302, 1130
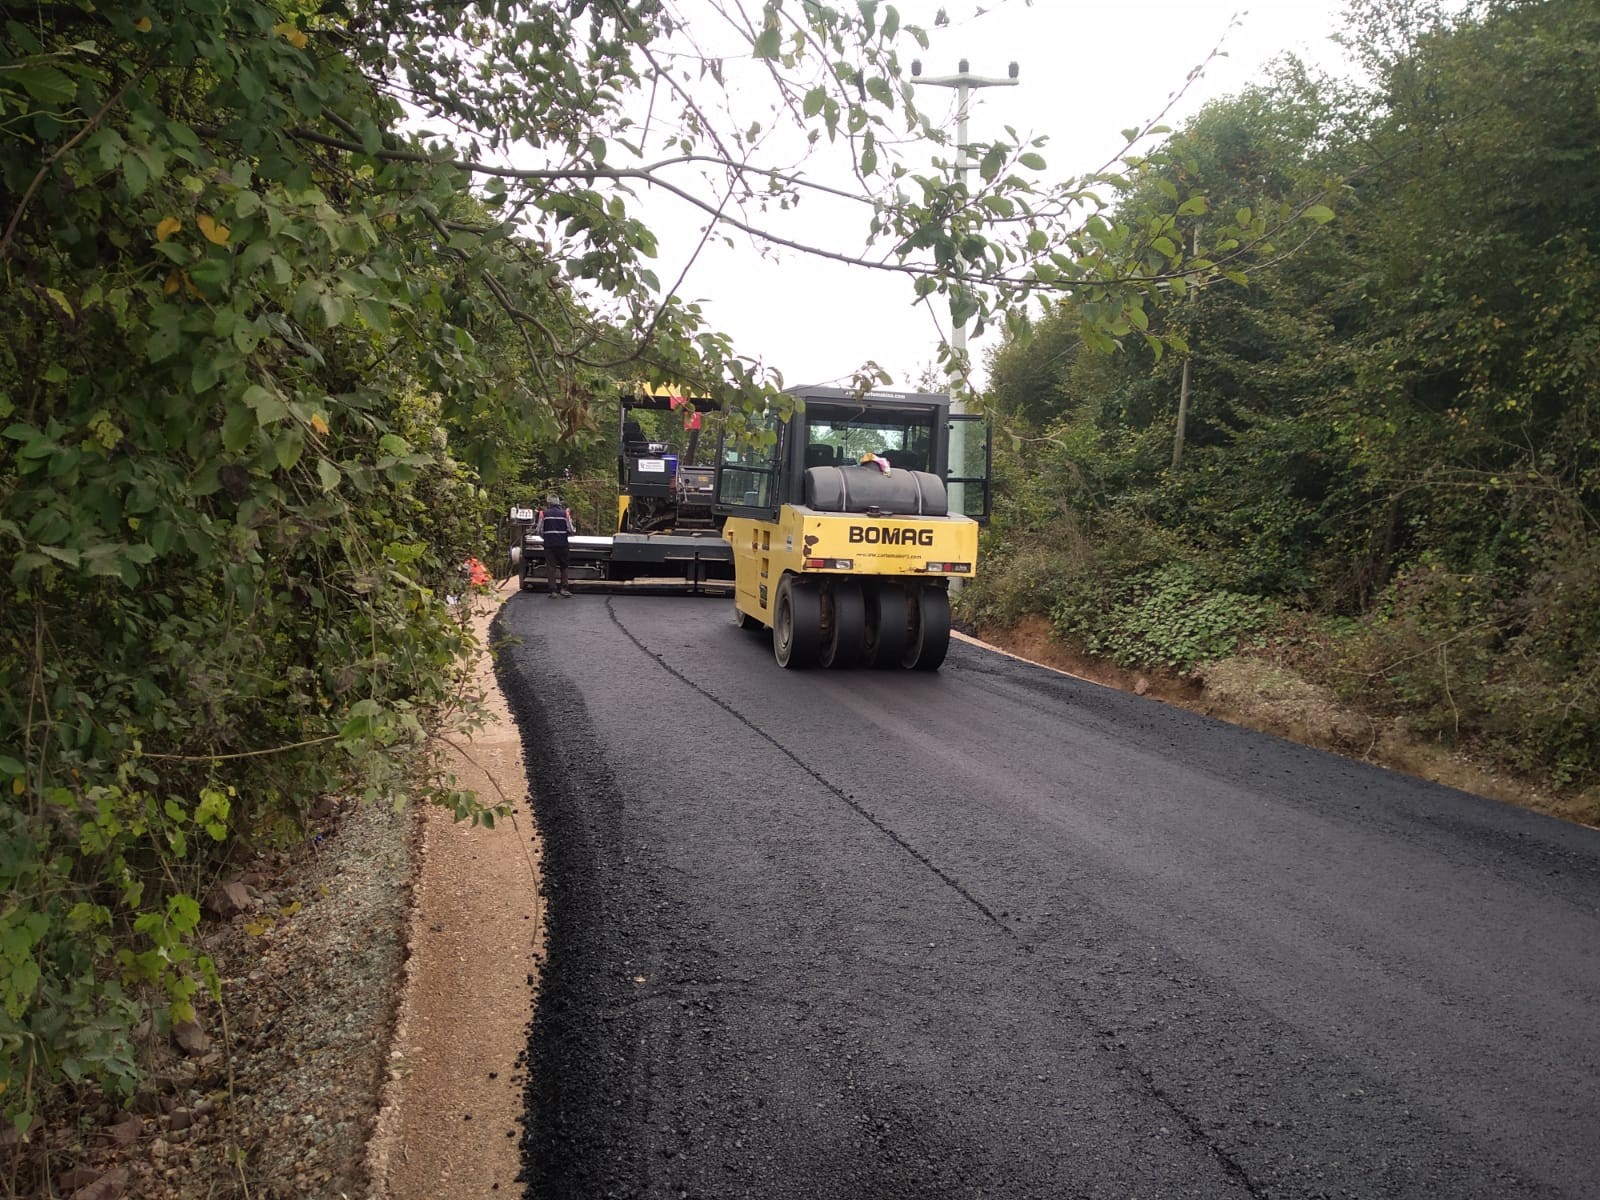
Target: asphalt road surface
1000, 932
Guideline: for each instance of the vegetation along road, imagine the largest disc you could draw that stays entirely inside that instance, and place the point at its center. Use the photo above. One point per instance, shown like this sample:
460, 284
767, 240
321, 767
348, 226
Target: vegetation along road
1003, 932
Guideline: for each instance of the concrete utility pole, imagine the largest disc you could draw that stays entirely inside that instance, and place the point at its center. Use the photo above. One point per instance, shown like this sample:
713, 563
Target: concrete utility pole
964, 83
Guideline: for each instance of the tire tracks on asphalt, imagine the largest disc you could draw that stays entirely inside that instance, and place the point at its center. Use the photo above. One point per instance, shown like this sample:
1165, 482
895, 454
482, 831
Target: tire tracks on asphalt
850, 801
1195, 1127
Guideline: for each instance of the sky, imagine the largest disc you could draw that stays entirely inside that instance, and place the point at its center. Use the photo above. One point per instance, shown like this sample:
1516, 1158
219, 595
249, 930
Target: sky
1086, 68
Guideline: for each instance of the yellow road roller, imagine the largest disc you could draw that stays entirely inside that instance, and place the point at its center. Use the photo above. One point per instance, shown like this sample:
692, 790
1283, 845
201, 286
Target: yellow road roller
848, 528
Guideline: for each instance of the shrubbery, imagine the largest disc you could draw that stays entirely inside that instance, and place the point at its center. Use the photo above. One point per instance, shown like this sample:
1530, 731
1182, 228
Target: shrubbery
1166, 617
1390, 469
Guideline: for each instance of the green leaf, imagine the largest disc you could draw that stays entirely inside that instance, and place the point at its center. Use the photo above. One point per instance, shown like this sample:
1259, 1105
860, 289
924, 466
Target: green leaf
1034, 162
1320, 213
288, 446
268, 408
993, 159
135, 174
238, 427
334, 309
46, 84
183, 912
162, 343
29, 561
104, 559
19, 987
375, 313
328, 474
251, 86
203, 375
769, 43
813, 102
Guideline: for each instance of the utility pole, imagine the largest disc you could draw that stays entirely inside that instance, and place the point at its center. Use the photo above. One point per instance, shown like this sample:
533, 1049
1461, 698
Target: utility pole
964, 83
1183, 384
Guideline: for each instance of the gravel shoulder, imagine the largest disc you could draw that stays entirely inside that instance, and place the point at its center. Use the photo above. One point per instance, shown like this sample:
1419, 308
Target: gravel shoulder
452, 1106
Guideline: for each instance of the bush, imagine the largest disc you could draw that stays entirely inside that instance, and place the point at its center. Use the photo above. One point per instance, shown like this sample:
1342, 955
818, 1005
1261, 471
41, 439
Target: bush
1166, 617
189, 668
1024, 579
1508, 669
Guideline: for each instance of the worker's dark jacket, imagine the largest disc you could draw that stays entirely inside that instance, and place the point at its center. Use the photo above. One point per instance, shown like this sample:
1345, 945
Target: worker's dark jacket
555, 526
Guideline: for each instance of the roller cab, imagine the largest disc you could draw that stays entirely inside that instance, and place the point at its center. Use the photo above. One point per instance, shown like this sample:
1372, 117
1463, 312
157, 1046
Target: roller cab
846, 530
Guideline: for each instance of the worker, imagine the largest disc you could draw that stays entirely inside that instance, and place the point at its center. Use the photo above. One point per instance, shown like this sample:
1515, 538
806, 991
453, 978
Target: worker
555, 525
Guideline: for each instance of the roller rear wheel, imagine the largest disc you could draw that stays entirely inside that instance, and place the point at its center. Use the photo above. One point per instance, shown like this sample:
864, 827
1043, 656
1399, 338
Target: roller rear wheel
929, 630
846, 633
744, 620
797, 625
888, 625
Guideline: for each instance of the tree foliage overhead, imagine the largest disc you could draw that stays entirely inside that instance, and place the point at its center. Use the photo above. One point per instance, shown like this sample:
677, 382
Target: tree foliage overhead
1392, 435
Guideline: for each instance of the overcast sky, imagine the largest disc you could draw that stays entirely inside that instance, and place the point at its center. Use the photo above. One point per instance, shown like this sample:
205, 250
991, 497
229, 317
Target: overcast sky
1088, 69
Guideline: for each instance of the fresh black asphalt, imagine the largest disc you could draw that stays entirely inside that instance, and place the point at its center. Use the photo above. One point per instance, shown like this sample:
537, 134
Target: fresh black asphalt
998, 932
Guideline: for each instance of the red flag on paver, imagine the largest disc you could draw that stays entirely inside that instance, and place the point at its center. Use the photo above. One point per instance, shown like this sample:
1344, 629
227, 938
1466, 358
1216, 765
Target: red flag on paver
677, 402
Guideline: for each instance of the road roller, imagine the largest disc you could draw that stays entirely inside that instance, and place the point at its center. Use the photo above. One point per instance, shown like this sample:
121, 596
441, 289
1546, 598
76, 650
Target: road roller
850, 522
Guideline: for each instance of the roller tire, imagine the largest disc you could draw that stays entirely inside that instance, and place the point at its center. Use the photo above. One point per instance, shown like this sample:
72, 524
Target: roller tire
929, 630
744, 620
796, 625
845, 638
888, 626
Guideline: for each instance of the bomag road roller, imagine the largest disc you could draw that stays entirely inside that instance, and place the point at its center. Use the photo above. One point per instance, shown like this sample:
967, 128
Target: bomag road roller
847, 528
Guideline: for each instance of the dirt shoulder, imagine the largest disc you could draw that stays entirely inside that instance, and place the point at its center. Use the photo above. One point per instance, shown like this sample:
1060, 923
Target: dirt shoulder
453, 1102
